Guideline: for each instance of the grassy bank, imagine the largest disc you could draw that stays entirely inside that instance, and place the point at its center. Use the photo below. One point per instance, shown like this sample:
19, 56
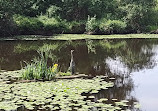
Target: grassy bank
78, 37
84, 36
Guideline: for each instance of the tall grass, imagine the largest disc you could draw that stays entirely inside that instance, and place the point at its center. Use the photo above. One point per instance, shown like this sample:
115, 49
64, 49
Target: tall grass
38, 69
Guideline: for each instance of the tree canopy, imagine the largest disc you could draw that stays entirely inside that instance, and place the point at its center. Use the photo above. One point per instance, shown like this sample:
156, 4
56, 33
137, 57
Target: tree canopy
135, 13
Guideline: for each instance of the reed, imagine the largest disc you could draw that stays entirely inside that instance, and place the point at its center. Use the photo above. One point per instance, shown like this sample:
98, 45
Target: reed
38, 69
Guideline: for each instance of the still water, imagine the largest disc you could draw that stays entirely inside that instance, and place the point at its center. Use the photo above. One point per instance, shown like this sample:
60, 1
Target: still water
132, 62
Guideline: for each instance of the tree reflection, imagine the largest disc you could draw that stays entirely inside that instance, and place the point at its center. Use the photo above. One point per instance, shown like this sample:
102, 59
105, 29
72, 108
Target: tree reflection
113, 58
135, 55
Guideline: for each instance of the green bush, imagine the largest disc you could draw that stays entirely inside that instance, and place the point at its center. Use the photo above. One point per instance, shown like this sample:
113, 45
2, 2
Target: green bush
91, 25
7, 26
28, 24
112, 26
53, 25
41, 25
151, 28
76, 27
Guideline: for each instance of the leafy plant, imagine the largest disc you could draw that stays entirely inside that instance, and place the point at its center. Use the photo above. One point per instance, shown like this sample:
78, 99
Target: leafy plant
76, 27
39, 69
151, 28
28, 23
55, 25
91, 25
112, 26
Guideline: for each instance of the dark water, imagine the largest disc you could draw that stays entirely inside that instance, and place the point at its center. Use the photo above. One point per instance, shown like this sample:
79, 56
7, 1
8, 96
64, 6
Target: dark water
133, 62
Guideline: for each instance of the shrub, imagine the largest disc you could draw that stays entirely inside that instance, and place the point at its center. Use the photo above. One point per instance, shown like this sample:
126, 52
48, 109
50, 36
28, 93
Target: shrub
41, 25
112, 26
53, 25
76, 27
91, 25
7, 26
28, 24
151, 28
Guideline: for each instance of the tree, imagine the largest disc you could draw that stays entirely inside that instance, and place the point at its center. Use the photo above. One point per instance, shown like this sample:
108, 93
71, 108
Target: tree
7, 9
136, 13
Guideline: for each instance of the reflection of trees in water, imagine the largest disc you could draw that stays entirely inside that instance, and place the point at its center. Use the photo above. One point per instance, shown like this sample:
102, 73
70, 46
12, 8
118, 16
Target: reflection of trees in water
13, 53
121, 91
11, 60
133, 54
137, 55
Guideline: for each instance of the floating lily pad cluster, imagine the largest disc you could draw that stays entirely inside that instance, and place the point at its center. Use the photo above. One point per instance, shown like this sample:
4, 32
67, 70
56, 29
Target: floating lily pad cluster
9, 76
73, 95
60, 95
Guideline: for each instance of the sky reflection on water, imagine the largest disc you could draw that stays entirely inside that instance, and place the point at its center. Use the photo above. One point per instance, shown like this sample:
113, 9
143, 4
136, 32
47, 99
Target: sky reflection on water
134, 63
146, 86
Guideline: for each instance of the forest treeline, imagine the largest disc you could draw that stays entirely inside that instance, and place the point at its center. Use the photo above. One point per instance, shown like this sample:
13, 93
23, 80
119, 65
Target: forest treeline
47, 17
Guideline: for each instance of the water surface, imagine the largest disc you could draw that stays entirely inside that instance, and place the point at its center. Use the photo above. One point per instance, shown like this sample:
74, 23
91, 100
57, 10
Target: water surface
133, 62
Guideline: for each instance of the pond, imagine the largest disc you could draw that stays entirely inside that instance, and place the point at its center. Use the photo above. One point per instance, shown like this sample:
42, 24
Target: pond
130, 63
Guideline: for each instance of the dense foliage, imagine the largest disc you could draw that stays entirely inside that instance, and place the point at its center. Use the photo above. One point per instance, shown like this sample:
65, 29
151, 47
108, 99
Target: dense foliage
76, 16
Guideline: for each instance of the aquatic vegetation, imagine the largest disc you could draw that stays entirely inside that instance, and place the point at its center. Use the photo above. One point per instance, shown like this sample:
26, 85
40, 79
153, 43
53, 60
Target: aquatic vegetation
39, 69
9, 76
64, 74
59, 95
85, 64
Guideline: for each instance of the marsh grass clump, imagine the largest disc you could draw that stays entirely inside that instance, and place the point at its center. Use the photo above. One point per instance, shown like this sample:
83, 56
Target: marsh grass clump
38, 69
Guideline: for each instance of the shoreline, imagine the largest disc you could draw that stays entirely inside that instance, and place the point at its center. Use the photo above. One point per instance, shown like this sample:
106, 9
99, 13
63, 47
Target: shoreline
78, 37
